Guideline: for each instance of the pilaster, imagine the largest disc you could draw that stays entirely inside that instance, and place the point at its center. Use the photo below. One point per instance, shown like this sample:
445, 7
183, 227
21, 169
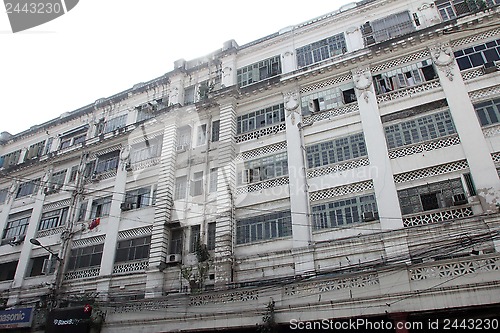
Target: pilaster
113, 226
163, 209
24, 257
301, 226
225, 224
380, 165
464, 116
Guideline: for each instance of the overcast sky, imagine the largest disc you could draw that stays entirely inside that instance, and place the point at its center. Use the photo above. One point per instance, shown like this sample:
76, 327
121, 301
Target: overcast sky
103, 47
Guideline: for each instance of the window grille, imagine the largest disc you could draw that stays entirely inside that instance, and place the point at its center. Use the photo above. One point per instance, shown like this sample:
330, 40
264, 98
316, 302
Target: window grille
264, 227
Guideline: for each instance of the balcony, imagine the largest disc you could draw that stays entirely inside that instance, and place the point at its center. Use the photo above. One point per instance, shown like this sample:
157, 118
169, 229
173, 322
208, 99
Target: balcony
260, 133
409, 92
421, 147
82, 274
131, 267
438, 215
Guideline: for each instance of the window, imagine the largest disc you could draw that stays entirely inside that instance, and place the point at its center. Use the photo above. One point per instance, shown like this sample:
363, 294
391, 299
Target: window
404, 77
53, 219
100, 207
27, 188
213, 180
197, 184
139, 198
321, 50
211, 236
202, 135
82, 212
264, 168
72, 174
259, 71
194, 239
389, 27
108, 162
146, 150
180, 188
85, 257
48, 146
488, 112
184, 137
37, 265
189, 95
419, 129
176, 237
259, 119
215, 130
133, 249
17, 224
8, 270
10, 159
334, 151
35, 150
342, 212
446, 10
57, 180
3, 195
264, 227
73, 137
115, 123
478, 55
430, 196
330, 98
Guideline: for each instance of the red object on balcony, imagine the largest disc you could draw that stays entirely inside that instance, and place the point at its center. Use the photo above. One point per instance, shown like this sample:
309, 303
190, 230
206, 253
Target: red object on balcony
94, 223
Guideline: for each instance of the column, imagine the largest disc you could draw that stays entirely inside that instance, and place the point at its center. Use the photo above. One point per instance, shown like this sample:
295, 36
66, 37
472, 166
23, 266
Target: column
228, 67
113, 224
163, 209
24, 257
299, 203
226, 179
389, 211
471, 135
288, 63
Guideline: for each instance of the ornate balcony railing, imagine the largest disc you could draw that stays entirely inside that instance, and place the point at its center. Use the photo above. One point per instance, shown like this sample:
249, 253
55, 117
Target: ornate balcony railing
442, 215
263, 185
49, 232
457, 268
331, 113
473, 73
409, 92
82, 273
131, 267
339, 167
421, 147
260, 133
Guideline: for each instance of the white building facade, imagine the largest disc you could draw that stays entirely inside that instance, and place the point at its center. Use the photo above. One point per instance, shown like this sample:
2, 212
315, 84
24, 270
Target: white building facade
344, 168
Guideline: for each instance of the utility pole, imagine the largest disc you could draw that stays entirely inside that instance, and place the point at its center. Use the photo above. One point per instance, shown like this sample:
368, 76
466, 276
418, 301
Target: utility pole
69, 231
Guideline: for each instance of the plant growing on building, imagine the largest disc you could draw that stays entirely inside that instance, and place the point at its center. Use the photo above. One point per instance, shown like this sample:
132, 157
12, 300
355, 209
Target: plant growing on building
269, 324
197, 274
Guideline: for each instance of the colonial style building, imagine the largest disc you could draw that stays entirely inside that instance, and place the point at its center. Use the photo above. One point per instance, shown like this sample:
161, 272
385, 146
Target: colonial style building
345, 168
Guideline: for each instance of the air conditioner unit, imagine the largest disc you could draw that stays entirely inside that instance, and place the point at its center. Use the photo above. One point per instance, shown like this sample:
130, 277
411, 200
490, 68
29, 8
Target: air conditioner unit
460, 199
128, 167
126, 206
180, 148
369, 216
17, 240
489, 67
174, 258
95, 178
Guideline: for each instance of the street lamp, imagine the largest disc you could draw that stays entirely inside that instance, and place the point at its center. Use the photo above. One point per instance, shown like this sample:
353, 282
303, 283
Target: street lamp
36, 242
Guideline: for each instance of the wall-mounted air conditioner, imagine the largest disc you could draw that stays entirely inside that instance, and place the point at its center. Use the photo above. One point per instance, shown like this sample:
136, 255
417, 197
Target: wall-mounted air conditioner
174, 258
369, 216
489, 67
126, 206
180, 148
